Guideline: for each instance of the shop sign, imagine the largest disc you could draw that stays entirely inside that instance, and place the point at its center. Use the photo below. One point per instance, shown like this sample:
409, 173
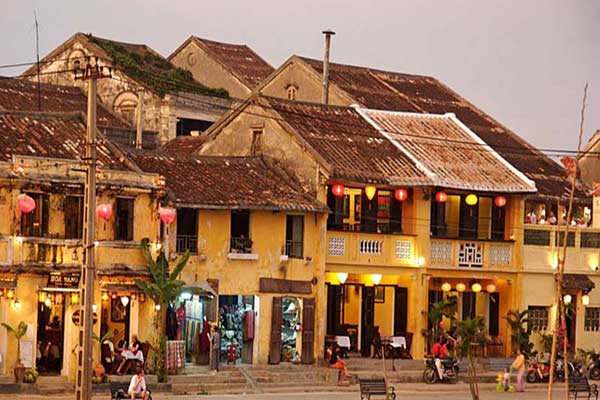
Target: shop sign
76, 317
64, 280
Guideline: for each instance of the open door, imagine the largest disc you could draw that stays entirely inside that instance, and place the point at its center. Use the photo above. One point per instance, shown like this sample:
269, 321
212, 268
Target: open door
368, 320
308, 331
400, 310
334, 308
276, 322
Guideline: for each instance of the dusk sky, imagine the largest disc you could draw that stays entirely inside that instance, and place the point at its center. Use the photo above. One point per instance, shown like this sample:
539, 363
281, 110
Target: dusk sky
523, 62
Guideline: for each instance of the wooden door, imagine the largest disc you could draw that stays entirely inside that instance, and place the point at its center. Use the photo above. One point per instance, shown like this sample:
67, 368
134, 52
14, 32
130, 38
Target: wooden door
368, 320
308, 331
400, 310
494, 314
276, 322
334, 309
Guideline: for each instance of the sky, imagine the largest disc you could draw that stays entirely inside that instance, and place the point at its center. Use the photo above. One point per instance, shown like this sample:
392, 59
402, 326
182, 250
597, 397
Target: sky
525, 62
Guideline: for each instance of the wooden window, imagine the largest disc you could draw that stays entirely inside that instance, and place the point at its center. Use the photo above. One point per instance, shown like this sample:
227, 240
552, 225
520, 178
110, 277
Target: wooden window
276, 323
35, 223
308, 331
592, 319
74, 217
438, 219
240, 231
187, 230
469, 219
294, 236
336, 212
291, 92
498, 222
124, 219
256, 139
538, 318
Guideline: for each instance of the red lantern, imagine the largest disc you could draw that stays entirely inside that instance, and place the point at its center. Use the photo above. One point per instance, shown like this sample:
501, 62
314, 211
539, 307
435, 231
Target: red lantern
401, 194
337, 190
500, 201
167, 214
26, 203
441, 197
104, 211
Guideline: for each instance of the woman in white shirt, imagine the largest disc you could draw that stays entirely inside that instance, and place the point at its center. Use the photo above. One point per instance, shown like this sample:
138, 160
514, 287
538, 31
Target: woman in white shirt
137, 387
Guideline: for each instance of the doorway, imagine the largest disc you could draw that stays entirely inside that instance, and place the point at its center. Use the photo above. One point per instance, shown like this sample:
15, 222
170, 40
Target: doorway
50, 332
571, 321
367, 320
237, 323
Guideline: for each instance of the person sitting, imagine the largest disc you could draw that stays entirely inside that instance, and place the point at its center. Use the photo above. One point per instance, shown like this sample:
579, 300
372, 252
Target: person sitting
134, 355
439, 351
335, 361
137, 386
552, 218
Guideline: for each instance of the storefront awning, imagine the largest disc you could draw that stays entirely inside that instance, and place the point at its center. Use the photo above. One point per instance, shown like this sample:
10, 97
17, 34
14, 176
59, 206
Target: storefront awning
200, 288
578, 282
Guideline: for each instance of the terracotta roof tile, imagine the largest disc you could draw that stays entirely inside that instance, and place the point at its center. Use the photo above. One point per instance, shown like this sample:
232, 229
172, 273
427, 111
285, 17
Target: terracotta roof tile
356, 151
241, 61
395, 91
578, 282
50, 135
226, 182
22, 95
456, 157
184, 145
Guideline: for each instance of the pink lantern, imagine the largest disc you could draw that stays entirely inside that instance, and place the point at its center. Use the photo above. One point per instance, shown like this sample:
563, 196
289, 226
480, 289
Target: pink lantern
167, 215
26, 203
104, 211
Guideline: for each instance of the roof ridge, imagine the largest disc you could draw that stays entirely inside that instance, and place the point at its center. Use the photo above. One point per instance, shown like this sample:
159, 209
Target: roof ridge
44, 114
305, 103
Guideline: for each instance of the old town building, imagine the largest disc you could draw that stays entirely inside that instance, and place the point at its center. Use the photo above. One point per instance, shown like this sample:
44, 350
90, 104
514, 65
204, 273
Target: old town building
172, 102
234, 67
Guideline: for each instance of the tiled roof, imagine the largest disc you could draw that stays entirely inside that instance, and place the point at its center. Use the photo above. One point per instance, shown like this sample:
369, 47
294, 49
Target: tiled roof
22, 95
394, 91
578, 282
240, 59
356, 151
454, 156
184, 145
226, 182
51, 135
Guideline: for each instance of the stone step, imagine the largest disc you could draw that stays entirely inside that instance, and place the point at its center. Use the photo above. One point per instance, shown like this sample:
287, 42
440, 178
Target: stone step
309, 389
199, 379
209, 388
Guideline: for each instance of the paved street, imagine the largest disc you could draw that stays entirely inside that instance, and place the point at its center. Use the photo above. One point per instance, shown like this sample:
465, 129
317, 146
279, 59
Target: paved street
415, 392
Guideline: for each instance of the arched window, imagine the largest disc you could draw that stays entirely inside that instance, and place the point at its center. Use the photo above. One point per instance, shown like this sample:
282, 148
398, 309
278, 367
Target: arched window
291, 92
76, 59
125, 104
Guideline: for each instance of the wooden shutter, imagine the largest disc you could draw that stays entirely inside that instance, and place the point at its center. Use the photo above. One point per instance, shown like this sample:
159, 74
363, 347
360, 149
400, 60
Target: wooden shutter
276, 322
498, 222
368, 218
334, 308
308, 331
400, 310
494, 313
469, 305
395, 214
469, 219
368, 319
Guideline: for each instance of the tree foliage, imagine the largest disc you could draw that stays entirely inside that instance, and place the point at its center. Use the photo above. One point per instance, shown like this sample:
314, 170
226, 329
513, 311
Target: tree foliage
18, 333
520, 331
471, 331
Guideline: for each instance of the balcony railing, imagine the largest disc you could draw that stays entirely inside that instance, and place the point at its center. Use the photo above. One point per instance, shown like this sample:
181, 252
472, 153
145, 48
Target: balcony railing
187, 242
370, 248
294, 249
462, 253
552, 236
241, 245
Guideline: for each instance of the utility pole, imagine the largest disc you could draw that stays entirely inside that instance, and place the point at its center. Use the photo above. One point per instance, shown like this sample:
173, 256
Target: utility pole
83, 391
328, 33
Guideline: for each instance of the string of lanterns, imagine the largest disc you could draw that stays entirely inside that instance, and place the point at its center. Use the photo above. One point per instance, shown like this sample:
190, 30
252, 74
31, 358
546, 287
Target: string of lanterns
338, 190
475, 287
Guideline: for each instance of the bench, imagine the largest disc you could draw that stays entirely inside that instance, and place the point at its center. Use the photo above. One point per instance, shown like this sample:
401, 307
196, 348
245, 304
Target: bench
118, 391
580, 384
376, 387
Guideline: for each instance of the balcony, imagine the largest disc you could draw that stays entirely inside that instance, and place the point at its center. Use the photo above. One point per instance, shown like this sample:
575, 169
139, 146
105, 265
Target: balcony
370, 248
294, 249
471, 253
187, 242
543, 242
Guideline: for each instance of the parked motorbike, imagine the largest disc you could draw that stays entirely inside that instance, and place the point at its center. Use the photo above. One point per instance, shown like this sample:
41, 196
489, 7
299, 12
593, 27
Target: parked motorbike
449, 368
540, 371
594, 367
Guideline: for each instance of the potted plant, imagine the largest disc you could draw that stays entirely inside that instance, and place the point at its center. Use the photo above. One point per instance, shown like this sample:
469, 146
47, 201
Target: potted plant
19, 332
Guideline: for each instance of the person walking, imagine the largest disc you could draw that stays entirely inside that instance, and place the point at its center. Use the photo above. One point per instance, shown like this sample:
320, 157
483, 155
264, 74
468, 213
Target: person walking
519, 365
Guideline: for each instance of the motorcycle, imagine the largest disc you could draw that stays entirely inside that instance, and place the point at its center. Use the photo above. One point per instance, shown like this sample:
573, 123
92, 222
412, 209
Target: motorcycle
594, 367
540, 371
449, 368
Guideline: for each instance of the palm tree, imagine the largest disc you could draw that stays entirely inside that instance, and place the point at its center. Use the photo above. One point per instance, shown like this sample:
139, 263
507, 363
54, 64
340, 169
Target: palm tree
520, 331
471, 331
18, 332
435, 314
164, 289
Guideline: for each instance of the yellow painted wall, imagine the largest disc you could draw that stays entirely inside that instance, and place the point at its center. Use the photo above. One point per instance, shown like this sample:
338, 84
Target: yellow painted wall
384, 312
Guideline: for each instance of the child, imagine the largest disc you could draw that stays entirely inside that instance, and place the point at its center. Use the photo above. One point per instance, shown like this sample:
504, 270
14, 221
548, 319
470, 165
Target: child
506, 379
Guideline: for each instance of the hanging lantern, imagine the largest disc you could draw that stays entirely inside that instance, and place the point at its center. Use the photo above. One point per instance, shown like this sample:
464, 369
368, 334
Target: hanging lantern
17, 305
167, 215
567, 299
113, 295
585, 300
370, 192
337, 190
48, 302
26, 203
476, 287
342, 276
446, 287
10, 294
500, 201
441, 197
461, 287
74, 298
401, 194
133, 296
124, 301
104, 211
376, 278
157, 307
104, 296
471, 200
491, 288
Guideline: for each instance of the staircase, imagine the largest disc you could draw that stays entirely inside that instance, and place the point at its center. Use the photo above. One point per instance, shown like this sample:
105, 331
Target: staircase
229, 380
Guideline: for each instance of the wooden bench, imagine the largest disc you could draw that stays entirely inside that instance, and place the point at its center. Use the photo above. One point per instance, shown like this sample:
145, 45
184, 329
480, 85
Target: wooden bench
580, 384
118, 391
376, 387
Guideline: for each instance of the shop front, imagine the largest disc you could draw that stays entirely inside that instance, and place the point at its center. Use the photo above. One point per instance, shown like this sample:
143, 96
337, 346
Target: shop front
237, 328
